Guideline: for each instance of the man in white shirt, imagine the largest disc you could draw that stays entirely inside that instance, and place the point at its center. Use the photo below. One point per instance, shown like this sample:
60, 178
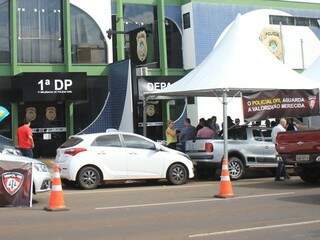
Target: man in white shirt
281, 169
281, 127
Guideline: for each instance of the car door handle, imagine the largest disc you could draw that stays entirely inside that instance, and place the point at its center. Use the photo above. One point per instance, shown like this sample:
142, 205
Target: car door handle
300, 143
102, 153
133, 153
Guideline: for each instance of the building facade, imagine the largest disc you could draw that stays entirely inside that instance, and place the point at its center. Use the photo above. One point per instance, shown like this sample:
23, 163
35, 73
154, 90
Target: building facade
64, 63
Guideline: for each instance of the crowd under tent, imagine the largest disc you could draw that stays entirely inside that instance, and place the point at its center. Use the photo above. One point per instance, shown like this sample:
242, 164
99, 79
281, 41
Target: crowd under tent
239, 63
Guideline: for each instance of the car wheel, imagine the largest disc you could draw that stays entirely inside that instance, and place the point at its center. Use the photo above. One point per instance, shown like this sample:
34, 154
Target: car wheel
89, 178
308, 175
236, 168
177, 174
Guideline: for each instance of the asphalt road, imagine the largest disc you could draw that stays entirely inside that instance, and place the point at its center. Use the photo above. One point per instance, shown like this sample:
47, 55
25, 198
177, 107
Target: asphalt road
261, 208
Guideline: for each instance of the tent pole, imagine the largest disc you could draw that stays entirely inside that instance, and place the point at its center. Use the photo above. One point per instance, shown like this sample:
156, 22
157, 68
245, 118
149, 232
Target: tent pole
144, 124
225, 124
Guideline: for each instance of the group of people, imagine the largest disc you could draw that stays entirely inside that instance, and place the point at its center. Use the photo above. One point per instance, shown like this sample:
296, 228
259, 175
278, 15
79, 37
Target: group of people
205, 129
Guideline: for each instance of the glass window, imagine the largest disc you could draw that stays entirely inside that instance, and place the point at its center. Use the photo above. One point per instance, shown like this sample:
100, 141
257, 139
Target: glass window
137, 142
237, 134
294, 21
107, 141
314, 22
71, 142
88, 42
262, 135
4, 32
302, 21
257, 135
39, 27
186, 21
174, 45
139, 18
266, 133
114, 39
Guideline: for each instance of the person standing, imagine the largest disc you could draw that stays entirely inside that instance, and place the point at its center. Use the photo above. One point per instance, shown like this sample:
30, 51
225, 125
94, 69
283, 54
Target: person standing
25, 139
187, 133
214, 125
281, 169
200, 124
206, 132
171, 135
291, 126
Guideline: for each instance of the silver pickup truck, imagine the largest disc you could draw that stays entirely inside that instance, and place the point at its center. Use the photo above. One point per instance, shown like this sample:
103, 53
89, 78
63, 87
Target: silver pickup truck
248, 147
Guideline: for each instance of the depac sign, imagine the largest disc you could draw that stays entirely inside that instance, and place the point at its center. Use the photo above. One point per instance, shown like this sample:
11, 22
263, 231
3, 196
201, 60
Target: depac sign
150, 84
51, 86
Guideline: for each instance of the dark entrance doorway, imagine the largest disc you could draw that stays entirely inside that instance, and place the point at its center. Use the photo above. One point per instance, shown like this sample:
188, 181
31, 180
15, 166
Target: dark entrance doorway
48, 123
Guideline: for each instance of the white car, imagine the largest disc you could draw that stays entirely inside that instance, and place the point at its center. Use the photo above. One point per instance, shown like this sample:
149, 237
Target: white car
91, 159
41, 174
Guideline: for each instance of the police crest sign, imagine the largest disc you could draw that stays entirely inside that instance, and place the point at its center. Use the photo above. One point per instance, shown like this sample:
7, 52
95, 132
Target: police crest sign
16, 183
142, 47
12, 182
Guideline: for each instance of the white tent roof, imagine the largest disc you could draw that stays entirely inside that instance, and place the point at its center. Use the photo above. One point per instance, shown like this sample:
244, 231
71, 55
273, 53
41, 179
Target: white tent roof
240, 62
313, 72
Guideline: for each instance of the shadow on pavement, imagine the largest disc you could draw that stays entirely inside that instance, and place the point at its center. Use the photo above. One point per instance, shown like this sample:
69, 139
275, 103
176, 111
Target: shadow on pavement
122, 184
291, 184
313, 199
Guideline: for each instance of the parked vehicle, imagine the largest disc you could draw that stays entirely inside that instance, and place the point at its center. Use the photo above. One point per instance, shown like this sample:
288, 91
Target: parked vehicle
302, 150
41, 174
93, 158
248, 147
7, 149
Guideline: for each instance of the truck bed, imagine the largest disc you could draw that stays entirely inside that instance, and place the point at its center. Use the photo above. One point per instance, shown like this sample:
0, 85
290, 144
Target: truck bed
304, 142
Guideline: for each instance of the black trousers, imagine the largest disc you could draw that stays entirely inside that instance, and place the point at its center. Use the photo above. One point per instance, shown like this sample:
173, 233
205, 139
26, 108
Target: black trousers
281, 170
172, 145
27, 152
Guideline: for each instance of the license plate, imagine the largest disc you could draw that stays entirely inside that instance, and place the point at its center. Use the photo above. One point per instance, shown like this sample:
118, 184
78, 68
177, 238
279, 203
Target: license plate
302, 157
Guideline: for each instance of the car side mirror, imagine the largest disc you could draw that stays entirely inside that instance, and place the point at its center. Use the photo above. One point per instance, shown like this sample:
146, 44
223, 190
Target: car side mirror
158, 147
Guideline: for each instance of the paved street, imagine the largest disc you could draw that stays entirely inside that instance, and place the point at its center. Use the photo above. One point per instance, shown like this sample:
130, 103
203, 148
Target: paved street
261, 207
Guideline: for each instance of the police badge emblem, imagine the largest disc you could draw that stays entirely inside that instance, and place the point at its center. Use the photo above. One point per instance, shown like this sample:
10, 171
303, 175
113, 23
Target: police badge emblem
51, 113
271, 38
12, 182
150, 110
31, 114
142, 48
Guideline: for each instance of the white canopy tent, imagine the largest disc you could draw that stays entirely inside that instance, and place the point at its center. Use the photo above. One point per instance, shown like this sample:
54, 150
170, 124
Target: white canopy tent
313, 72
239, 63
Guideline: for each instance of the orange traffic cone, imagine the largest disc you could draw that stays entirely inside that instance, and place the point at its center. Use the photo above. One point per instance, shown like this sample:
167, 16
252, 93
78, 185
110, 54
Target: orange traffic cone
56, 201
225, 183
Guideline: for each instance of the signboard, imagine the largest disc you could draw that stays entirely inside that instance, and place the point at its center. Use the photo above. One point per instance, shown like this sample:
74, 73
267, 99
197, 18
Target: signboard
138, 46
51, 86
15, 183
280, 103
150, 84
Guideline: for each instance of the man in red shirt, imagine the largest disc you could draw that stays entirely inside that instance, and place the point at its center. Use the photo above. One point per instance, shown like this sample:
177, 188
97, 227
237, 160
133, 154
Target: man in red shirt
25, 140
